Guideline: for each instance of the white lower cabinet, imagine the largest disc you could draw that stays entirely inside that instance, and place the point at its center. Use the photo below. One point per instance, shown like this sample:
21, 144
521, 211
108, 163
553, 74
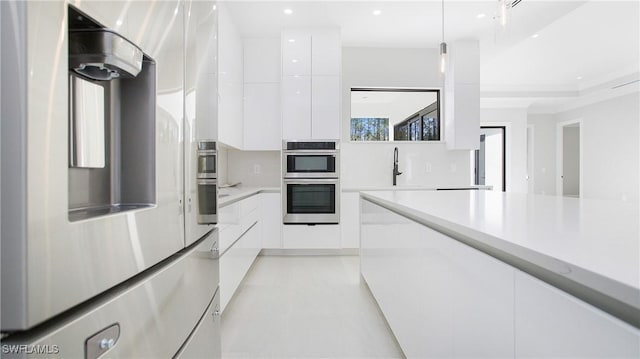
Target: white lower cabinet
321, 236
551, 323
444, 299
350, 220
441, 298
240, 243
271, 220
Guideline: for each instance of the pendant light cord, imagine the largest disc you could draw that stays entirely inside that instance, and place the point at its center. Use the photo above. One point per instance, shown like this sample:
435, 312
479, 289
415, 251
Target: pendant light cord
442, 20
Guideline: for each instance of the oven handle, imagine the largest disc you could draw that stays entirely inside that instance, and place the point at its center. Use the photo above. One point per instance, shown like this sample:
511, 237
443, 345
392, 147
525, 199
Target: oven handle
207, 181
311, 152
310, 180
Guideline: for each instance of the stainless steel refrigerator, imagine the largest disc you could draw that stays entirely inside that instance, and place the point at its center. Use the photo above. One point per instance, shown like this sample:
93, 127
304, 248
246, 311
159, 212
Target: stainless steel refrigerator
104, 251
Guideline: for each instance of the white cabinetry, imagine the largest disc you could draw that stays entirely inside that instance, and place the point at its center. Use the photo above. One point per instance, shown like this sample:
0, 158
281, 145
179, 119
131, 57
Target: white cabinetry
296, 53
350, 220
431, 291
296, 107
444, 299
230, 104
262, 60
311, 237
271, 220
552, 323
462, 96
240, 243
262, 117
262, 102
325, 107
311, 68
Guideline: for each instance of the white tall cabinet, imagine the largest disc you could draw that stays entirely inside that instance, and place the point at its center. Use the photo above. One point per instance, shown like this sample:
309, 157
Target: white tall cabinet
230, 86
311, 84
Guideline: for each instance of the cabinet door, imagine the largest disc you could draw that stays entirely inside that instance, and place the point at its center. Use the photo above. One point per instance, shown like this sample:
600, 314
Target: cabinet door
296, 53
552, 323
311, 237
350, 220
325, 107
262, 60
262, 117
326, 53
231, 83
296, 107
235, 263
271, 220
431, 291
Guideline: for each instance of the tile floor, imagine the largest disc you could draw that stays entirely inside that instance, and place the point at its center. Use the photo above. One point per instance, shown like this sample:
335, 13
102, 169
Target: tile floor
305, 307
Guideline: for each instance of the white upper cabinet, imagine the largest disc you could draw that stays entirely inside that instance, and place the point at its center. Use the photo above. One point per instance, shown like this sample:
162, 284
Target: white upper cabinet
311, 58
296, 53
262, 117
262, 100
231, 84
296, 107
325, 107
462, 96
326, 53
262, 60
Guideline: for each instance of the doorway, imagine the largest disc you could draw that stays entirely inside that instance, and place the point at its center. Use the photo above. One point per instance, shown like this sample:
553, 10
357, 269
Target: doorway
490, 159
569, 154
530, 159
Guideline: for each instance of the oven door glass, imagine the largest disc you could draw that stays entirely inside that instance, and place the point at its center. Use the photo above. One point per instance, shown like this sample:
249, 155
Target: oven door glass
308, 163
311, 198
207, 164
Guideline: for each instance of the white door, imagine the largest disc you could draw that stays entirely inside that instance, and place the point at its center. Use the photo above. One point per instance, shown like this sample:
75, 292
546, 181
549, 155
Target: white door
568, 158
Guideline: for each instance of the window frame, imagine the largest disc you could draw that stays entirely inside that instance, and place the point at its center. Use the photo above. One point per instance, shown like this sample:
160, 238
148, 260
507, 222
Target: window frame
438, 107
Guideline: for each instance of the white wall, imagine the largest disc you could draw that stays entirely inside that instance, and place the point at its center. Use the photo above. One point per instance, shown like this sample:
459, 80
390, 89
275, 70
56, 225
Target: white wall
571, 161
515, 121
611, 147
544, 153
370, 164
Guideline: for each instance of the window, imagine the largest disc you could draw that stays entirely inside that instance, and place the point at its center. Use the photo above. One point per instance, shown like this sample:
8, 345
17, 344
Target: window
369, 129
395, 114
422, 126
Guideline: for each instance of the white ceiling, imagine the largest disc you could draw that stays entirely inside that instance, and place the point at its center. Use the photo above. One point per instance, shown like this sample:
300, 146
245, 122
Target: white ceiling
597, 40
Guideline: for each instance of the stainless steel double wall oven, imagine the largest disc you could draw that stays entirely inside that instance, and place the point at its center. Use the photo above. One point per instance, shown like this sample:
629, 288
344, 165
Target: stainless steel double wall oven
311, 182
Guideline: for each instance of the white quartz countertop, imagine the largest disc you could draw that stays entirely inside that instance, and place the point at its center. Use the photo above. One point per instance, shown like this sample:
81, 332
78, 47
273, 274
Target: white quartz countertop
594, 243
412, 188
229, 195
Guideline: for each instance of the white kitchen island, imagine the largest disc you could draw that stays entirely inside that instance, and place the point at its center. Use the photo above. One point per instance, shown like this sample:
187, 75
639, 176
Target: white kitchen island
491, 274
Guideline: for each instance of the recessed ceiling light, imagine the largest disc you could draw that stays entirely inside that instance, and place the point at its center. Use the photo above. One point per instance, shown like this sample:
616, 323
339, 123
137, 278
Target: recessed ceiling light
579, 78
294, 61
119, 22
377, 12
535, 36
298, 92
292, 40
480, 16
288, 11
215, 7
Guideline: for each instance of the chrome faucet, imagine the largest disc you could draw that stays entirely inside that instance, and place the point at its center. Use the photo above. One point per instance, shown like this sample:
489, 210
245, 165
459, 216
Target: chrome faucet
396, 173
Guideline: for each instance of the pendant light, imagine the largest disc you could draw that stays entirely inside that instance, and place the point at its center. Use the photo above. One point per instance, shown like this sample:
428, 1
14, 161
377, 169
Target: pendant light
443, 46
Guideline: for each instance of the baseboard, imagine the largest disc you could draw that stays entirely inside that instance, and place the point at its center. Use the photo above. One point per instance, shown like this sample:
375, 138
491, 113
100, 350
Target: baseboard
310, 252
